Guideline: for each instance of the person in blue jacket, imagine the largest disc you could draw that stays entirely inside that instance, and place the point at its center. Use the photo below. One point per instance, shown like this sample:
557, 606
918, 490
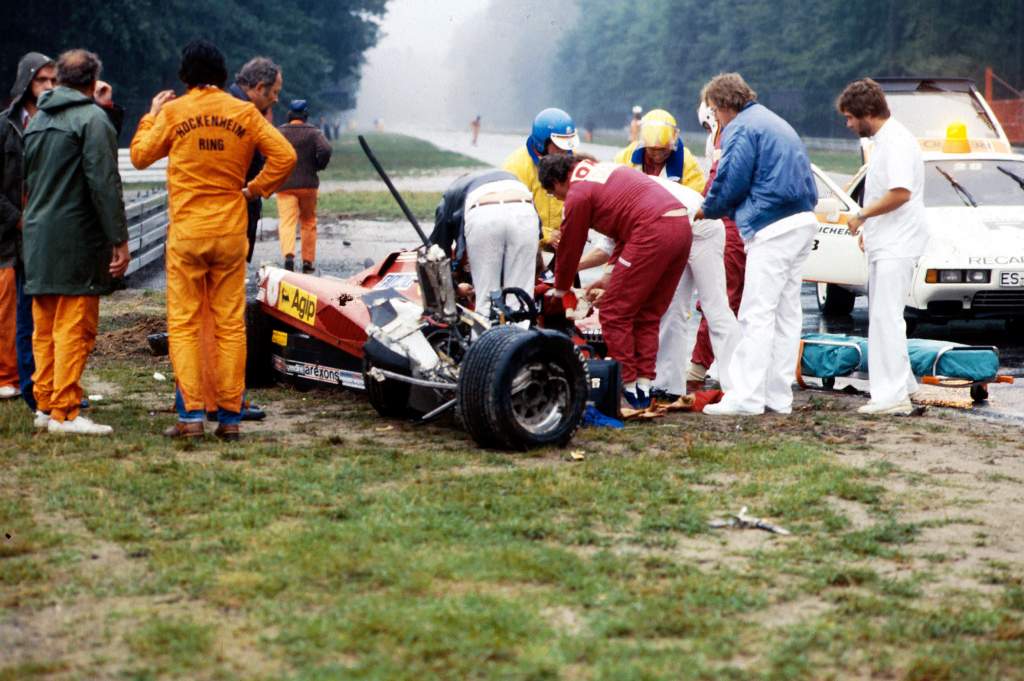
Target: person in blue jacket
764, 183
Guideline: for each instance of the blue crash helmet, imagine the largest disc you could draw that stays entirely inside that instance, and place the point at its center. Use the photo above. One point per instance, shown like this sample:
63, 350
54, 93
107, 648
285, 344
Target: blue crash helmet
555, 125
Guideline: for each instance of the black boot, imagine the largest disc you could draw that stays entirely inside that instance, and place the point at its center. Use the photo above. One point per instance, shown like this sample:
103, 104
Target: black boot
289, 263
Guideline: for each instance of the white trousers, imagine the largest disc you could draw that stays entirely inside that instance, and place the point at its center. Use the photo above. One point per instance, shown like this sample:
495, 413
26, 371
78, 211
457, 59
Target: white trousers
705, 269
889, 372
763, 364
501, 242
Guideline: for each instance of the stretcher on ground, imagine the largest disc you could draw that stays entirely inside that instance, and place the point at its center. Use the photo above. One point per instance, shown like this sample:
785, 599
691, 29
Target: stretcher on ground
827, 356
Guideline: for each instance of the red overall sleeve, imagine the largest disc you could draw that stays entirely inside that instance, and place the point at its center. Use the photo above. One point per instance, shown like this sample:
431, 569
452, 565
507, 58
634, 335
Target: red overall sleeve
577, 216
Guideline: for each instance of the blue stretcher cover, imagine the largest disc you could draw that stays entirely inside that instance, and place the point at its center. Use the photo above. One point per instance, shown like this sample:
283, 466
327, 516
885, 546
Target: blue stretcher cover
956, 361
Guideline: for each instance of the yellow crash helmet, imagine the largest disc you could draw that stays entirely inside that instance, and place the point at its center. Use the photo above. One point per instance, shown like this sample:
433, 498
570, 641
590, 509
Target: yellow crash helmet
658, 129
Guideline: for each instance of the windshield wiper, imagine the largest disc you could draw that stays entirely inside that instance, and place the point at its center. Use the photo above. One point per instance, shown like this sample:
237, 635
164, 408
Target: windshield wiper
961, 191
1014, 176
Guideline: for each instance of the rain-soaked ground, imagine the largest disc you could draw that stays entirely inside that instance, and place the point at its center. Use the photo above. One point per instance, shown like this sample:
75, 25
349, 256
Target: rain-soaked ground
346, 247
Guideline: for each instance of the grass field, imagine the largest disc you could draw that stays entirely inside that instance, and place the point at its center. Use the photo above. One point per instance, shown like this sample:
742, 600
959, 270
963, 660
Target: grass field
399, 154
331, 543
368, 205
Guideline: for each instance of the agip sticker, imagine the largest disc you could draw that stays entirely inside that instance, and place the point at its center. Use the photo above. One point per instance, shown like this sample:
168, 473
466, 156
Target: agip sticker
295, 302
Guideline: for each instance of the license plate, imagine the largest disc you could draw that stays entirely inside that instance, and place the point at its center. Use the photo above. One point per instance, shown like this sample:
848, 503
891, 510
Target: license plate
1011, 279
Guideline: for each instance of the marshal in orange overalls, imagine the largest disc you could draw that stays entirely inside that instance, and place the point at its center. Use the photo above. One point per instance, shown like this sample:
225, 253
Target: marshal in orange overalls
209, 137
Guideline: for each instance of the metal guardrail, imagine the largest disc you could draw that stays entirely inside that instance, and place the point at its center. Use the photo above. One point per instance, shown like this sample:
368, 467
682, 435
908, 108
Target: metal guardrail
146, 211
147, 228
832, 144
129, 175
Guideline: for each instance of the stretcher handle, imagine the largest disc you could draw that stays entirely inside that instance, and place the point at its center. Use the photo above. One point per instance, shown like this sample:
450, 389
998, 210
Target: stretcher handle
394, 192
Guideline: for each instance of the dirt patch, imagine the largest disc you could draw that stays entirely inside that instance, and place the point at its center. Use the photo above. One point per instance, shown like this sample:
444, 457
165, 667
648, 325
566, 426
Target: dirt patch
129, 339
958, 479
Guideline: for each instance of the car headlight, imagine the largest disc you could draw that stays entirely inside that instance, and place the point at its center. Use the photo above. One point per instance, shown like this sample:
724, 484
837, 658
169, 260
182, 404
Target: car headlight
958, 276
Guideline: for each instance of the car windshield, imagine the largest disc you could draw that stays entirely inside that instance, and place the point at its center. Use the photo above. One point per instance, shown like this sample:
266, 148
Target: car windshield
929, 114
987, 183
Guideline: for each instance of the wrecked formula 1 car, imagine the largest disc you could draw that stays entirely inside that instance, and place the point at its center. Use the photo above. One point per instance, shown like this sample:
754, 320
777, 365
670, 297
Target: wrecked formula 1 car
397, 331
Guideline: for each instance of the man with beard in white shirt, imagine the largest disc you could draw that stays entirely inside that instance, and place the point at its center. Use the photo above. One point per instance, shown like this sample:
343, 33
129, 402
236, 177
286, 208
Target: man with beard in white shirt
894, 234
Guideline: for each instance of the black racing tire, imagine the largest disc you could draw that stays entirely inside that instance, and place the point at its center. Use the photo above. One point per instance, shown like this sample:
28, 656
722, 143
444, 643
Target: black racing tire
521, 389
389, 397
979, 393
834, 300
259, 329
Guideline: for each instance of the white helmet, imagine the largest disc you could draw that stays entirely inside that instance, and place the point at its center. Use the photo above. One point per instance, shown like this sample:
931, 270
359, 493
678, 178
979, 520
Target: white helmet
706, 116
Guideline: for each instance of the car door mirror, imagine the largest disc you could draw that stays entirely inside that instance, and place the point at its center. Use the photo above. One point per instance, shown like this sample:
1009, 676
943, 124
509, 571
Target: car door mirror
830, 207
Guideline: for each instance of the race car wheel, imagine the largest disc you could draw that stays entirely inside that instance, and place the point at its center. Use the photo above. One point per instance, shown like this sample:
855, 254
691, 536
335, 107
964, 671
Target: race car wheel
834, 301
259, 327
522, 388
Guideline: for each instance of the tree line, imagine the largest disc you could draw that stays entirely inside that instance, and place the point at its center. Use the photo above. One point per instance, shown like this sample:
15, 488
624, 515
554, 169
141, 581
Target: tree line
318, 43
797, 55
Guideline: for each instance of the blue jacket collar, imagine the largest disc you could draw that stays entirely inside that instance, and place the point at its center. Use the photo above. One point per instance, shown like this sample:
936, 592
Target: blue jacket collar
673, 166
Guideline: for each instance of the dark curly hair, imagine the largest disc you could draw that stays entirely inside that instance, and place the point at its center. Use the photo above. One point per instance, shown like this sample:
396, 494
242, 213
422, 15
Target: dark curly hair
862, 98
202, 64
555, 168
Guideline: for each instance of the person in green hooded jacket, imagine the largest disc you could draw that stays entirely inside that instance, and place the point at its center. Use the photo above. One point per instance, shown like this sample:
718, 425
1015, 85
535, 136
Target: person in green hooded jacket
75, 235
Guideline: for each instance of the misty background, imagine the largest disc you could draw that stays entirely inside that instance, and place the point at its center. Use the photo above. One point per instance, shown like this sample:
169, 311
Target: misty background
440, 64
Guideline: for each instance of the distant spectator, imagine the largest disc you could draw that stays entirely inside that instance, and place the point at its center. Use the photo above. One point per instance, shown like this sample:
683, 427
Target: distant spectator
325, 127
634, 124
296, 199
76, 236
36, 74
474, 126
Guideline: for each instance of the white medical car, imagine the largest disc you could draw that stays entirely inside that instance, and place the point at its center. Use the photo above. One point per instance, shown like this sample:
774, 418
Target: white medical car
974, 198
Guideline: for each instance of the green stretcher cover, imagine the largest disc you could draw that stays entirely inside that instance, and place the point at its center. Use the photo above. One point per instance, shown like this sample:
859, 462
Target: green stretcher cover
958, 361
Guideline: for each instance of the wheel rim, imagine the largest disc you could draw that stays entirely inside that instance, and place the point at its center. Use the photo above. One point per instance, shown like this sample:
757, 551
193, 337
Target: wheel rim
540, 397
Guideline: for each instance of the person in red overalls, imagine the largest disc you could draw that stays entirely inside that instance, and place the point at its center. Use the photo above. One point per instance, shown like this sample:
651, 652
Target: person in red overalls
652, 238
735, 257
